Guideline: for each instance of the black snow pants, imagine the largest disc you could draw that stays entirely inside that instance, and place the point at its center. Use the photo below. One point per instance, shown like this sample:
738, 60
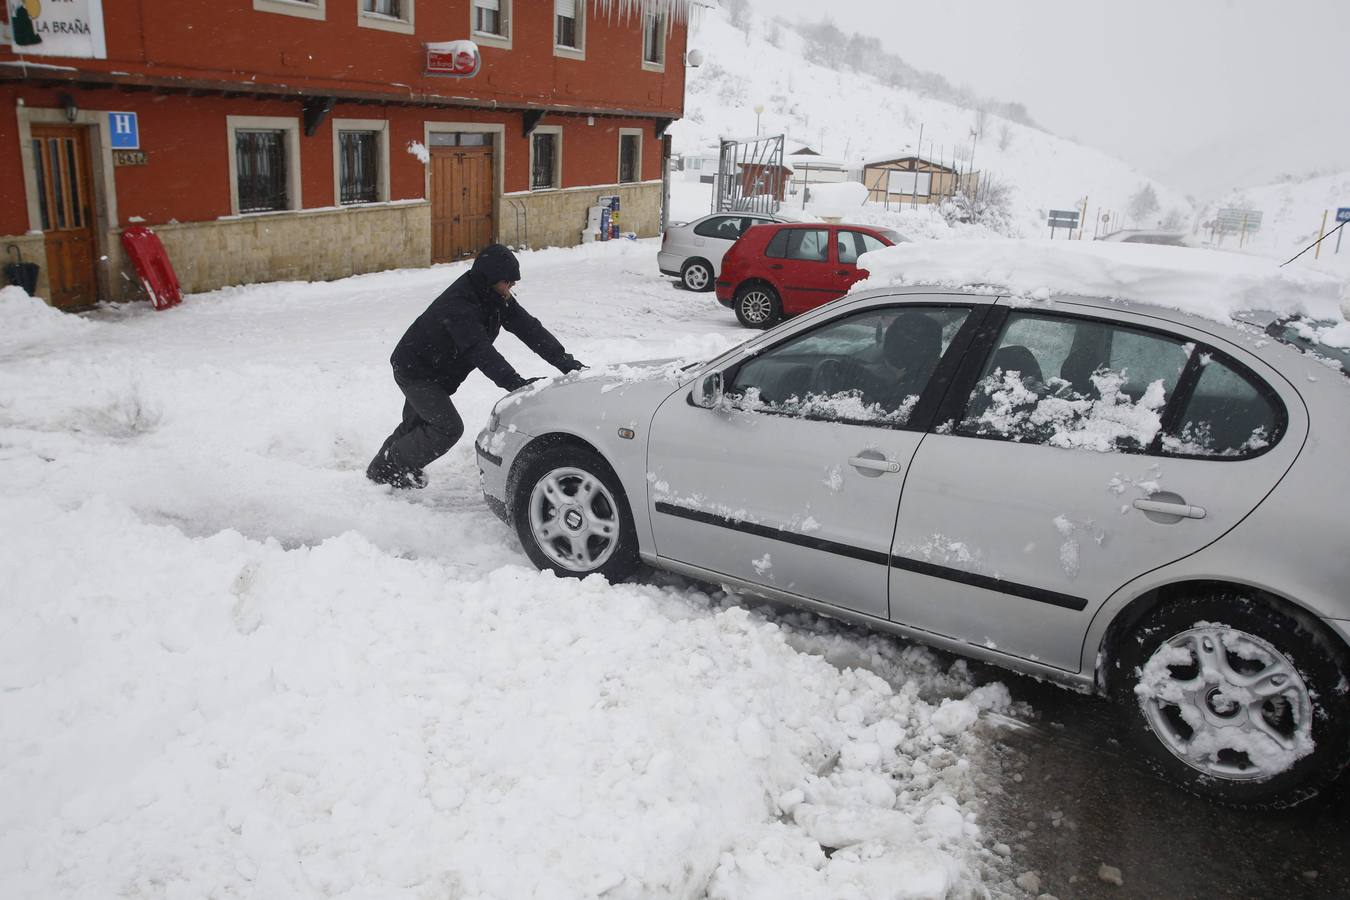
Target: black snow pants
431, 426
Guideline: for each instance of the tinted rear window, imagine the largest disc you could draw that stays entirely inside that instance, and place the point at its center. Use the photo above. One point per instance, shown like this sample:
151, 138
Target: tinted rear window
1317, 337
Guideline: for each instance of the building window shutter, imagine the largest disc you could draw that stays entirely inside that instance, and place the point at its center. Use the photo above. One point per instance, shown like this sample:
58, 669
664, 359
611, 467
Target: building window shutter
566, 8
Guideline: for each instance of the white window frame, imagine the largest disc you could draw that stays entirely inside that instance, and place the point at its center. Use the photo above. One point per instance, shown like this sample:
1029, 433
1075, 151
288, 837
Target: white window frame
647, 64
399, 24
562, 50
293, 180
557, 158
639, 134
381, 127
301, 9
487, 39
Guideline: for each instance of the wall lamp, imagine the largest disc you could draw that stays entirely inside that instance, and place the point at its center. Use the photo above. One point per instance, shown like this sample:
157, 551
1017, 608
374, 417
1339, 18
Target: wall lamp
72, 110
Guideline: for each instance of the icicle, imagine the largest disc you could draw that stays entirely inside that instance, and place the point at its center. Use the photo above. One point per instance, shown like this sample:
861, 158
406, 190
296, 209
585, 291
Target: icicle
673, 10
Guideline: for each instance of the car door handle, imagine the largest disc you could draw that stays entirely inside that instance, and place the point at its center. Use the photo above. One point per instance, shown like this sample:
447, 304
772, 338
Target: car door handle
1185, 510
775, 265
843, 272
874, 465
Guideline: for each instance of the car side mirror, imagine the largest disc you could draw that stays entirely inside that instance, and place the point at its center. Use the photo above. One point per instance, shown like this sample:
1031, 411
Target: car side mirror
708, 392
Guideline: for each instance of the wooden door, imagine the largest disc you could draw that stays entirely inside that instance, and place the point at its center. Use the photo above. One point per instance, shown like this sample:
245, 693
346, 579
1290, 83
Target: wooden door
461, 201
65, 191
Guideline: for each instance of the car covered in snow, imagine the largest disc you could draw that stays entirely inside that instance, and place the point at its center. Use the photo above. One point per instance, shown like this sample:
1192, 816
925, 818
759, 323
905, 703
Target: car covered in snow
693, 251
784, 270
1129, 499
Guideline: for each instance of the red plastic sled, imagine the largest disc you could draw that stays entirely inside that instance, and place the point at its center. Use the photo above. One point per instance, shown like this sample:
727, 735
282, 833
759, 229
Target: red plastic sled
152, 265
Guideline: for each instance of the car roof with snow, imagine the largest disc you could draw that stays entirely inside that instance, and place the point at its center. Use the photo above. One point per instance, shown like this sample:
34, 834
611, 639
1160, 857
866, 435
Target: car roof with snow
1233, 296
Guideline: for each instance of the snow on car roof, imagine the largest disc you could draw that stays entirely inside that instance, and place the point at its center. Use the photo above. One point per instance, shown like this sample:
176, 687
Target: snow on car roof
1207, 283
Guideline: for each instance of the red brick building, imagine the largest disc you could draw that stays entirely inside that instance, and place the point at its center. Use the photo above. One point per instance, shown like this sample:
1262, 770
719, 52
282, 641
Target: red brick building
314, 139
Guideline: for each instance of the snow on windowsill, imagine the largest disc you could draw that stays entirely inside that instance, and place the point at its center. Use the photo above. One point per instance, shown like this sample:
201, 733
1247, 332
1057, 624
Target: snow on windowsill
1210, 284
584, 187
412, 201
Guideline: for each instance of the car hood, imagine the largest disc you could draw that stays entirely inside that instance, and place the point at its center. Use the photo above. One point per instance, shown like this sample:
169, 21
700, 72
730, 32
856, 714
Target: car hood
621, 392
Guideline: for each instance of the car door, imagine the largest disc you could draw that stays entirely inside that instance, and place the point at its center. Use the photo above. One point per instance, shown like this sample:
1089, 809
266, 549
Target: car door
1053, 481
793, 481
802, 270
848, 246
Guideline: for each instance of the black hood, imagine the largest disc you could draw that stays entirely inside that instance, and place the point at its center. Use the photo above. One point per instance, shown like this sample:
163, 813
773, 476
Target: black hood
495, 263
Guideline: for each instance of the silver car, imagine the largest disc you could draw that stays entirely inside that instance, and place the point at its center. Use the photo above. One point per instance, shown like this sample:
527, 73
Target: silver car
692, 251
1120, 498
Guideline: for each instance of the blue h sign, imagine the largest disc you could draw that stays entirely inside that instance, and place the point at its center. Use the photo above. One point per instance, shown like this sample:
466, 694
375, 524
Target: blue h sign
1343, 214
125, 129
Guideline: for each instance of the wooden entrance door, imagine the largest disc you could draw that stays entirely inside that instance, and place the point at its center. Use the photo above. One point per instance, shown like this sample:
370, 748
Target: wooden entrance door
461, 201
65, 191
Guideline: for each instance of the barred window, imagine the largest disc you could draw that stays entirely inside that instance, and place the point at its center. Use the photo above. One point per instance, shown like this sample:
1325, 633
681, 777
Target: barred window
565, 23
654, 39
544, 168
359, 154
630, 157
260, 160
392, 8
489, 18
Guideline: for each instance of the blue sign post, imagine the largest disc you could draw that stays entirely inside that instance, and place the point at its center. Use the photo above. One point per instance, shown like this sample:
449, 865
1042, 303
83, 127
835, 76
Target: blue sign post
125, 129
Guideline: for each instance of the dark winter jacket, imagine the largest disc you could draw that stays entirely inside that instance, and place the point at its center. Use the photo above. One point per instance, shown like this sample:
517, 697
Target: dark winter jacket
455, 334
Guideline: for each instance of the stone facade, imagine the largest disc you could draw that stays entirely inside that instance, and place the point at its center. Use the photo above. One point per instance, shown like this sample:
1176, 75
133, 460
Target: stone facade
556, 218
315, 245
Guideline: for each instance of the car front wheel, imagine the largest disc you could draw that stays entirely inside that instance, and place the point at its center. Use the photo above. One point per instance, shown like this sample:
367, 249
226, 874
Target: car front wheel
757, 306
1237, 699
572, 516
697, 275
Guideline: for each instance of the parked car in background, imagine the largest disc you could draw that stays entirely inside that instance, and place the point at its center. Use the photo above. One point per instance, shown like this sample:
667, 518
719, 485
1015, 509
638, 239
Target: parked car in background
1116, 496
784, 270
692, 251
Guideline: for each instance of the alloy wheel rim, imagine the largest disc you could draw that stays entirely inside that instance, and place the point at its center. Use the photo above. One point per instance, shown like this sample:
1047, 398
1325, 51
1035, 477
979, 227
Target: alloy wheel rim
755, 305
1227, 703
574, 519
696, 277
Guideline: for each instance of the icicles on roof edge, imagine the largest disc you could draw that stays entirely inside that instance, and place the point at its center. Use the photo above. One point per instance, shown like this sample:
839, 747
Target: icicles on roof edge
673, 10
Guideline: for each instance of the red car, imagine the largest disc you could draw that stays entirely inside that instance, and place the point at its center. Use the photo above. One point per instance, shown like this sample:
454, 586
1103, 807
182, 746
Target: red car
782, 270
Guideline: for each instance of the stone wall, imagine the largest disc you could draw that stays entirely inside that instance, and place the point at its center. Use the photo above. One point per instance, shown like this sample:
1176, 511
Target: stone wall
315, 245
556, 218
33, 249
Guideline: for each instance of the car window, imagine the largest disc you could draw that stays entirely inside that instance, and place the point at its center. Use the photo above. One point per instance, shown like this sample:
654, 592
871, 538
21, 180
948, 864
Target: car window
748, 222
1075, 383
852, 244
869, 367
777, 248
810, 244
726, 228
1227, 415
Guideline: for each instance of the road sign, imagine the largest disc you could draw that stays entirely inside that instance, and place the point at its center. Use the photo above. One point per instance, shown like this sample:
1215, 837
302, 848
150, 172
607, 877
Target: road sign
1233, 220
1063, 218
1343, 214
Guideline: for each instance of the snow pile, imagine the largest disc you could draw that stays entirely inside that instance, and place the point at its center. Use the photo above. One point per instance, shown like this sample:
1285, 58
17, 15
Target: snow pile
26, 321
839, 200
230, 666
1205, 283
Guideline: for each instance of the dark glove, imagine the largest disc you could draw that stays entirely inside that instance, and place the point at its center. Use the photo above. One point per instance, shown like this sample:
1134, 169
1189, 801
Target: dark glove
525, 382
571, 365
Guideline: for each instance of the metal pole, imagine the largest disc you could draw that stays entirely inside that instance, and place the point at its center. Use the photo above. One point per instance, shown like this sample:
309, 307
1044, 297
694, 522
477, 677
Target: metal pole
1340, 233
1242, 238
1321, 234
1082, 218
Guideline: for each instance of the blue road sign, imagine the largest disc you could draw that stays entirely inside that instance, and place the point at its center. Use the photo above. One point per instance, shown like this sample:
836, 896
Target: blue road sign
125, 129
1343, 214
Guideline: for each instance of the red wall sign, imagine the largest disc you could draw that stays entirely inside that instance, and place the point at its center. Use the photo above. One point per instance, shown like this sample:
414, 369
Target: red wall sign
457, 59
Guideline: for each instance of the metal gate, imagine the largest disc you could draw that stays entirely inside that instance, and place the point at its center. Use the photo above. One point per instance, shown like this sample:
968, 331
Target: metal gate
751, 176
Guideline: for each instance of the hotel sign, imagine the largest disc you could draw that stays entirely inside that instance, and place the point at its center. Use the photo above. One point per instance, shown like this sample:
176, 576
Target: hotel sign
71, 28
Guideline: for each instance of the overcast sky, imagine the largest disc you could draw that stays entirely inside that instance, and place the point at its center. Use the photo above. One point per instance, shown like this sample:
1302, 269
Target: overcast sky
1201, 94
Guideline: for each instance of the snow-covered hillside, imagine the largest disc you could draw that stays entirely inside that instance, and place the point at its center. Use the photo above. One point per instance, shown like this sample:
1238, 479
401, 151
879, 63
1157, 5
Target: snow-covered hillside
1292, 215
846, 115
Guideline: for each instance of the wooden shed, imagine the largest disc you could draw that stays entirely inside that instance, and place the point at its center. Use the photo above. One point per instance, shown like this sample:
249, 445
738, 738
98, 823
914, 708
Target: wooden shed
913, 179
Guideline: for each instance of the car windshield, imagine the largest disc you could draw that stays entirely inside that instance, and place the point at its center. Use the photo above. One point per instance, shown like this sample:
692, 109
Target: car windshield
1327, 339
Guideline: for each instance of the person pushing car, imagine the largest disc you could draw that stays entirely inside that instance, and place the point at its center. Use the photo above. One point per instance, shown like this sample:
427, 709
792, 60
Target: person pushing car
446, 342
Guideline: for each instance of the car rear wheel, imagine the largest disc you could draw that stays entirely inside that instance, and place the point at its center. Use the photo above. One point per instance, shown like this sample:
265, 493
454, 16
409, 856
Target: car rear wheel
572, 516
1237, 699
697, 275
757, 306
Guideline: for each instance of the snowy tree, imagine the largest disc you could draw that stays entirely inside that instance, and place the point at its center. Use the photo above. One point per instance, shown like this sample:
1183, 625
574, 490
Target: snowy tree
1005, 136
1175, 220
1143, 204
988, 204
738, 14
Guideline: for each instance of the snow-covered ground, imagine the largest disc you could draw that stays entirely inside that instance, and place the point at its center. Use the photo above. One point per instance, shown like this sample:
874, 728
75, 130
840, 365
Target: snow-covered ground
232, 667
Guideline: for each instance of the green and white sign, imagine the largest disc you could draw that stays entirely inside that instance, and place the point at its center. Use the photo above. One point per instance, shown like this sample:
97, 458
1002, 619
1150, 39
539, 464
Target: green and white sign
72, 28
